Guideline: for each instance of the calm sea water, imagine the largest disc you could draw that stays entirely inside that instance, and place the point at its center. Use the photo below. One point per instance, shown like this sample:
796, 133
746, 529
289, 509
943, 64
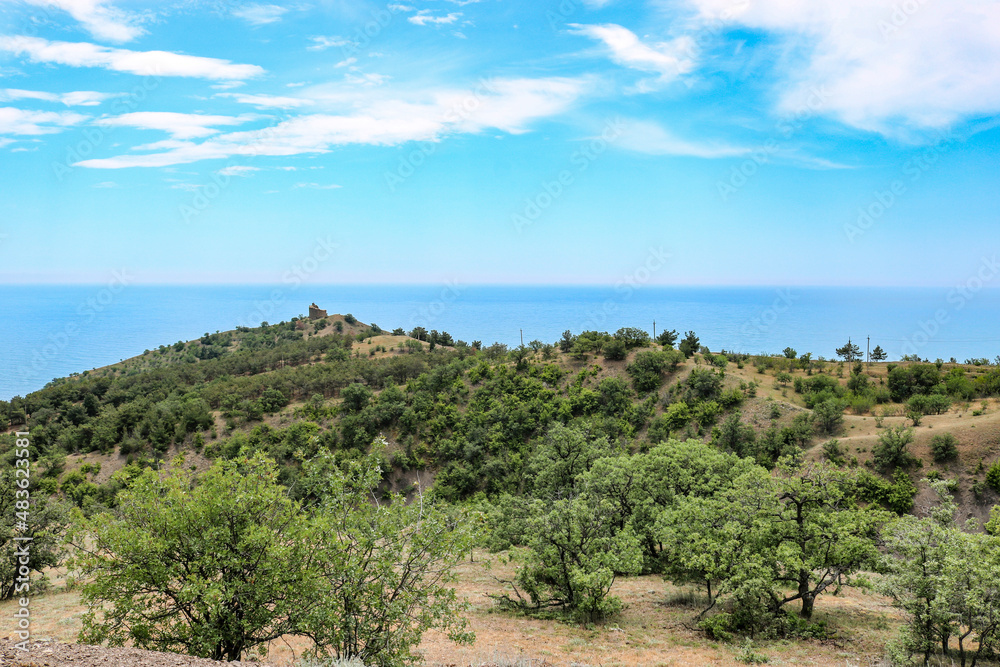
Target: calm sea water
52, 331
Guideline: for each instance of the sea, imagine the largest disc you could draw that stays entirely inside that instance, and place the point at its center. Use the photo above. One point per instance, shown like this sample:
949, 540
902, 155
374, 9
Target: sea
50, 331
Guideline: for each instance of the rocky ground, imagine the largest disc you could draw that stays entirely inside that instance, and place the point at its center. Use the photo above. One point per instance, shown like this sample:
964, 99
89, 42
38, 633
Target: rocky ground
57, 654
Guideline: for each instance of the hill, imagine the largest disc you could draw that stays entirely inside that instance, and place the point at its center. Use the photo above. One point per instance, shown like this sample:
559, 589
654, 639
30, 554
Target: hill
467, 423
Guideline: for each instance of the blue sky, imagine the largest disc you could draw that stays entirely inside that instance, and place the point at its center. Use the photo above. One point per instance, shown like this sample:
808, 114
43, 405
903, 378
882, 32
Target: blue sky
732, 142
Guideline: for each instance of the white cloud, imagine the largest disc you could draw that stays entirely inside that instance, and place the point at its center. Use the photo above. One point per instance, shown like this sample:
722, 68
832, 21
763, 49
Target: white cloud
144, 63
22, 121
366, 79
6, 141
268, 101
180, 126
322, 43
228, 85
317, 186
667, 59
260, 14
98, 17
880, 64
81, 98
346, 62
424, 17
106, 184
238, 170
651, 138
509, 105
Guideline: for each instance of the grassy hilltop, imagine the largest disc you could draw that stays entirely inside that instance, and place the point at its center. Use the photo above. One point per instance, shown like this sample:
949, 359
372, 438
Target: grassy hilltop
512, 433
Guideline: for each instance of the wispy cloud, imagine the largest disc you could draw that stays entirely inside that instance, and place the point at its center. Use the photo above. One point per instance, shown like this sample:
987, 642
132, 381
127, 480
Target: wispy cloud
23, 121
99, 18
321, 43
263, 101
666, 59
882, 68
509, 105
651, 138
424, 17
260, 14
238, 170
144, 63
106, 184
178, 125
318, 186
81, 98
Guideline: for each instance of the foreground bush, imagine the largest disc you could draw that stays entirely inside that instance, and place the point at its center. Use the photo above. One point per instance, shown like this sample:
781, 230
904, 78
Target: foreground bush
218, 566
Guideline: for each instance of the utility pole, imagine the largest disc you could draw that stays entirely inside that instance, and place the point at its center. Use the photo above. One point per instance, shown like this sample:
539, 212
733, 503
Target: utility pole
654, 329
522, 337
868, 351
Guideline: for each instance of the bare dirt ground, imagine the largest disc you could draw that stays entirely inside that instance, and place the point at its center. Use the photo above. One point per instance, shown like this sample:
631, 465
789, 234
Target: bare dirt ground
58, 654
655, 629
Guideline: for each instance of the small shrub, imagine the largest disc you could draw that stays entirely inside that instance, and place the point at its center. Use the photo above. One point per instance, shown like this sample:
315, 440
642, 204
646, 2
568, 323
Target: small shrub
748, 656
993, 477
833, 452
718, 627
944, 447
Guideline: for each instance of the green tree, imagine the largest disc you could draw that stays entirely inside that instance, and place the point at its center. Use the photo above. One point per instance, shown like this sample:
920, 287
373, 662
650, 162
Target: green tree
567, 340
829, 416
789, 353
946, 579
221, 565
46, 525
632, 337
771, 541
356, 397
893, 449
573, 557
667, 338
615, 350
200, 571
565, 453
878, 354
944, 447
384, 569
689, 345
849, 352
647, 369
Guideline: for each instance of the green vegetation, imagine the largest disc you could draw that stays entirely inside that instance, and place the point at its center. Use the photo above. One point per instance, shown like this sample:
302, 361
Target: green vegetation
221, 567
597, 457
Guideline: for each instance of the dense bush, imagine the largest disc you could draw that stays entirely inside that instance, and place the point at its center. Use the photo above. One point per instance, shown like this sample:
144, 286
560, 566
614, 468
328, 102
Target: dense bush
944, 447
